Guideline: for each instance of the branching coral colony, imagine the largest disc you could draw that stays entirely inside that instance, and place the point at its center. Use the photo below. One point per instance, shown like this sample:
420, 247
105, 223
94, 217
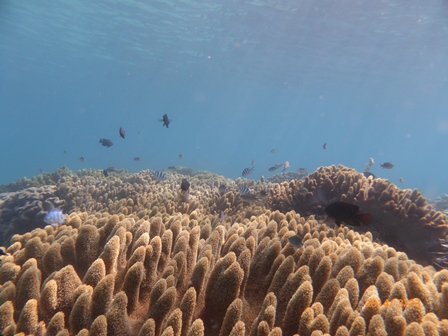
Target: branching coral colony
132, 259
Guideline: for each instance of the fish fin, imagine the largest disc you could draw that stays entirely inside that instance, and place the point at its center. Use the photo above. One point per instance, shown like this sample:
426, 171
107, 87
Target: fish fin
364, 218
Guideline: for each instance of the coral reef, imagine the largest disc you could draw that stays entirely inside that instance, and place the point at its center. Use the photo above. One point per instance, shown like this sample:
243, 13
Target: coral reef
400, 218
134, 259
441, 203
137, 194
112, 274
25, 210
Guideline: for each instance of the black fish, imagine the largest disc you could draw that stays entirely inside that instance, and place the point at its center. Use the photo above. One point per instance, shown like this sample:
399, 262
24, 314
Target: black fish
184, 185
111, 169
2, 253
276, 166
165, 120
81, 159
295, 241
137, 158
222, 189
106, 142
324, 146
367, 174
122, 132
387, 165
347, 213
247, 171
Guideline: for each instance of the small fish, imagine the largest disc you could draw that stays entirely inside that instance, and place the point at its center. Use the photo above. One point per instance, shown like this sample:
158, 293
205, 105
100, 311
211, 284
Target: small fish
165, 120
81, 159
3, 252
276, 166
222, 189
111, 169
316, 209
137, 158
105, 173
285, 166
122, 132
244, 190
367, 174
247, 171
369, 164
347, 213
249, 197
252, 162
55, 217
158, 175
221, 216
246, 194
65, 152
171, 167
262, 179
295, 241
184, 185
324, 146
106, 142
184, 196
303, 171
273, 151
41, 171
387, 165
181, 156
401, 179
302, 191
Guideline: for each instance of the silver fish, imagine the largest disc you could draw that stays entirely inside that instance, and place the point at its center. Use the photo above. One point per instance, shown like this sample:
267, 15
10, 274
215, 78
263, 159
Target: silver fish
55, 217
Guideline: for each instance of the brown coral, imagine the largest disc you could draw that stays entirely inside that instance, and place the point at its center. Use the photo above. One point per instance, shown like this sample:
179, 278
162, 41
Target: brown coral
400, 218
162, 272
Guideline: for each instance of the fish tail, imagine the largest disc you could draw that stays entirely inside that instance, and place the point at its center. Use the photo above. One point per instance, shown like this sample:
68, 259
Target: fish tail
364, 218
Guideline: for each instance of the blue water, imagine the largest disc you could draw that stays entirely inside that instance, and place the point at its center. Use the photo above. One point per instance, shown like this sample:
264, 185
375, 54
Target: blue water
238, 78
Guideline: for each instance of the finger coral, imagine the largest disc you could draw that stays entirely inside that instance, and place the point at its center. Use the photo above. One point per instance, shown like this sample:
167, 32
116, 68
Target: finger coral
161, 270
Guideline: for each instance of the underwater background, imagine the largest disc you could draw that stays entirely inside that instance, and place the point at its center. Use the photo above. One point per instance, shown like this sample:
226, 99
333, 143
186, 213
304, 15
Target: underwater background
237, 79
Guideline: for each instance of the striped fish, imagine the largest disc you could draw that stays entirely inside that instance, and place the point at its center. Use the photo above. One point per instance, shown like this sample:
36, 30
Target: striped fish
55, 217
244, 190
247, 171
158, 175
